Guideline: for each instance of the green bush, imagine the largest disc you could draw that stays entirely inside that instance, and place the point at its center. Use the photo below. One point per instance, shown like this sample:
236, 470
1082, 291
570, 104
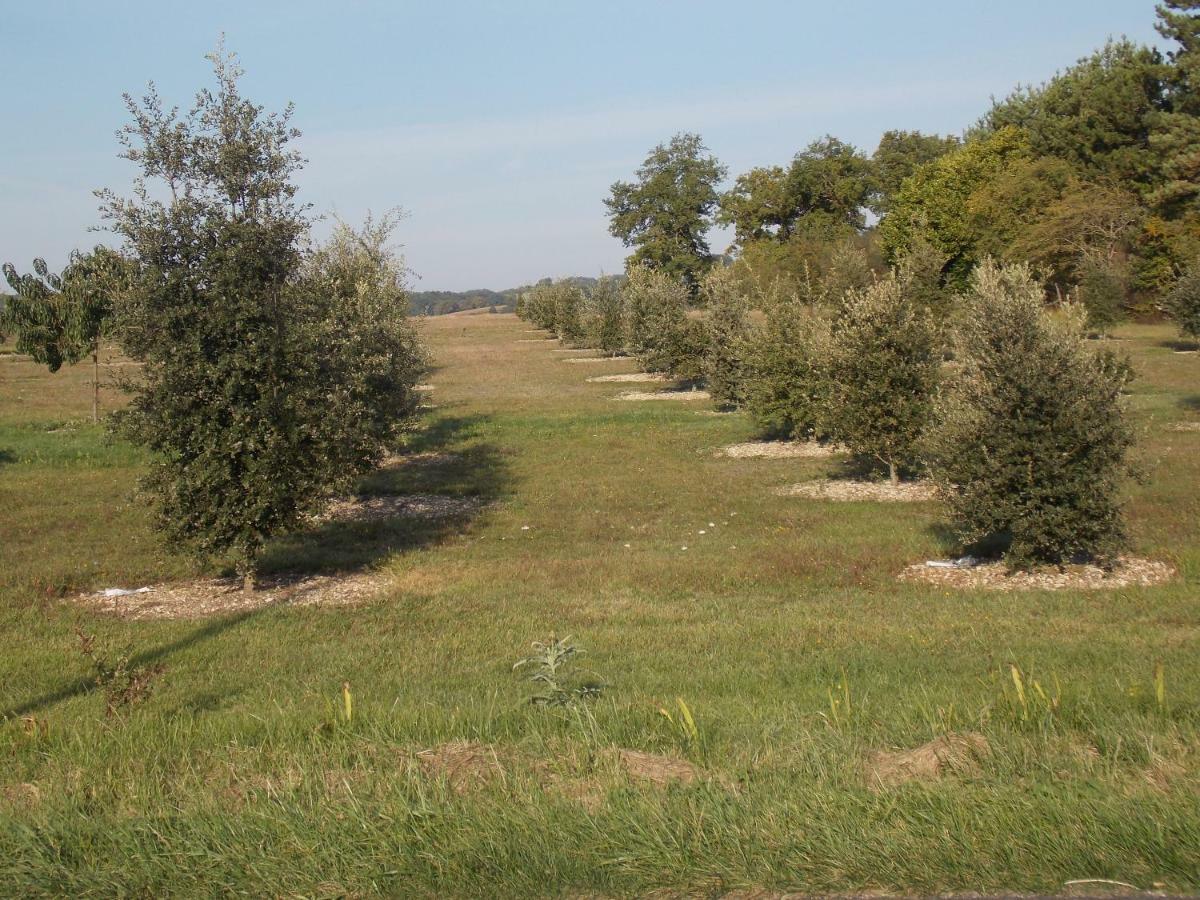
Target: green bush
1030, 447
568, 311
1102, 289
882, 369
728, 336
658, 329
604, 317
539, 306
786, 383
1183, 303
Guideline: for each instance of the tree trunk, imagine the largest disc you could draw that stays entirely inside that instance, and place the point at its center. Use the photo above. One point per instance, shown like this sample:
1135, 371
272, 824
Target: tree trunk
892, 476
95, 382
248, 581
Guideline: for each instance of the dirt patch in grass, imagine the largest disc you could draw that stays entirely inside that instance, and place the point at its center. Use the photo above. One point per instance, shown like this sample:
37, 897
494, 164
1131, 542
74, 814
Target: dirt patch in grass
844, 490
423, 387
1183, 426
430, 458
221, 596
657, 769
23, 796
1130, 571
630, 376
464, 765
663, 395
779, 450
948, 754
422, 506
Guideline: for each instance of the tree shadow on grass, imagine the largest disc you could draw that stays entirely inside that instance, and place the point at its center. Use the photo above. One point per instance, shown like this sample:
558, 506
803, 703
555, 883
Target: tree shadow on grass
7, 457
443, 461
87, 684
1190, 402
1180, 345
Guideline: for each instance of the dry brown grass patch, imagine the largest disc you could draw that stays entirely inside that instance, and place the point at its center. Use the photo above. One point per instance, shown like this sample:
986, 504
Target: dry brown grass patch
427, 458
23, 796
1129, 571
948, 754
657, 769
845, 490
464, 765
779, 450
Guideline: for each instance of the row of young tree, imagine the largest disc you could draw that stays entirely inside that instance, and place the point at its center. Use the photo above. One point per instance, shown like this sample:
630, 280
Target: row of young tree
272, 370
1093, 178
1004, 403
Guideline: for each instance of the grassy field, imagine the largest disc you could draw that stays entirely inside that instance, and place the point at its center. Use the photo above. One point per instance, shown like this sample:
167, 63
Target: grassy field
778, 620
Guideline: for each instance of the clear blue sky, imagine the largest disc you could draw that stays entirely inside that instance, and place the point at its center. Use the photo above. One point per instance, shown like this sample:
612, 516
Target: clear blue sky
500, 126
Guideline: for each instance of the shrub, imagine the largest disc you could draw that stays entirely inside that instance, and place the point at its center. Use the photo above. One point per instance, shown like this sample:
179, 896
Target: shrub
1183, 303
728, 333
539, 306
882, 369
604, 318
568, 301
658, 330
1031, 443
269, 376
786, 384
1101, 289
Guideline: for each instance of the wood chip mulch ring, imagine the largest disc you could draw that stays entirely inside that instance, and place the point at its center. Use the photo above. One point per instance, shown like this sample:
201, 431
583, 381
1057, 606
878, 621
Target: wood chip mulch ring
844, 490
1130, 571
594, 359
686, 396
374, 508
1183, 426
537, 340
207, 597
646, 377
779, 450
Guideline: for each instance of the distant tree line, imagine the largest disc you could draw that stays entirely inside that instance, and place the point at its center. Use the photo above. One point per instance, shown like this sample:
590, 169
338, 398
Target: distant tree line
1092, 178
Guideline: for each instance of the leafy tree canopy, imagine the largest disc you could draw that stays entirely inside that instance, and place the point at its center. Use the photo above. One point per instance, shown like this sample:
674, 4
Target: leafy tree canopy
666, 213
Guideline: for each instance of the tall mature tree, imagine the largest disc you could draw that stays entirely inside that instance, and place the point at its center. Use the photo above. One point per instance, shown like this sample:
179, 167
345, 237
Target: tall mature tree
62, 318
1177, 139
1097, 115
822, 195
267, 380
899, 154
667, 212
934, 204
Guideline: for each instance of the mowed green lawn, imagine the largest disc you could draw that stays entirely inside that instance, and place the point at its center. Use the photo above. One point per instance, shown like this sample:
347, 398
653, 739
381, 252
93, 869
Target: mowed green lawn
241, 774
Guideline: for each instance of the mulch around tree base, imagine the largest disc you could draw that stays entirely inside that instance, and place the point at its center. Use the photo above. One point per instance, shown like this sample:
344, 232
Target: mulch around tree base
630, 376
779, 450
223, 596
844, 490
1130, 571
664, 395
